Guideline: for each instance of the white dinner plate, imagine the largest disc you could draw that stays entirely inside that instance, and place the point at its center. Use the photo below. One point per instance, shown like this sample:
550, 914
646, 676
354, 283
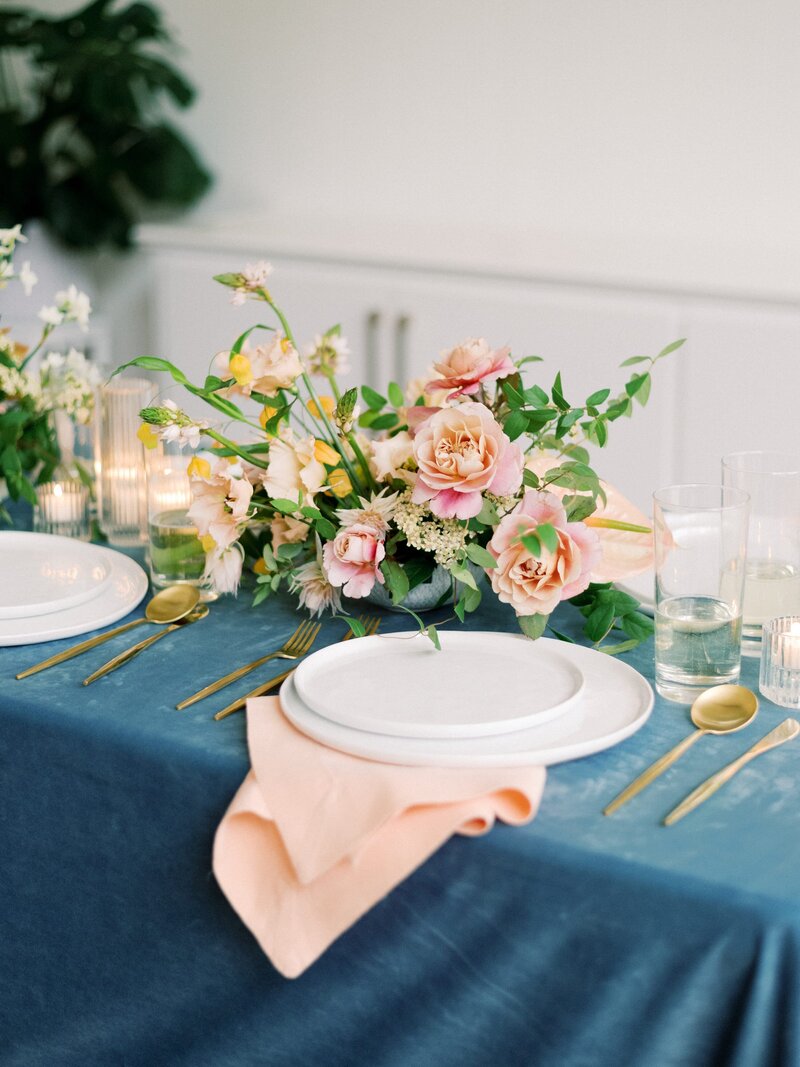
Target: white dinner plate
614, 703
127, 584
41, 573
642, 586
478, 684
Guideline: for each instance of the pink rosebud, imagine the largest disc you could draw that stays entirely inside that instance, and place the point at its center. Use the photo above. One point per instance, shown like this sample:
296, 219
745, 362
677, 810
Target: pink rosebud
471, 363
352, 560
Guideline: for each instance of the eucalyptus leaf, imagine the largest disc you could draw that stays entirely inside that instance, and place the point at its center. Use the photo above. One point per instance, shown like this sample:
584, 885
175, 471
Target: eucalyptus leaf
481, 556
532, 626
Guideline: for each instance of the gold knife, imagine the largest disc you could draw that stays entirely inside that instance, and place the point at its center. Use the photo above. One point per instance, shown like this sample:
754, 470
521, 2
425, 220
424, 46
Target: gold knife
787, 730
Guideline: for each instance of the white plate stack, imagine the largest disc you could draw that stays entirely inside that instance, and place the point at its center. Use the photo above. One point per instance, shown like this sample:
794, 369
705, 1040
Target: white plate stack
52, 587
485, 699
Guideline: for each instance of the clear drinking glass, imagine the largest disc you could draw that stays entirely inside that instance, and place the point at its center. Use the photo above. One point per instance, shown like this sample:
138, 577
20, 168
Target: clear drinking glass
123, 486
772, 573
700, 542
176, 555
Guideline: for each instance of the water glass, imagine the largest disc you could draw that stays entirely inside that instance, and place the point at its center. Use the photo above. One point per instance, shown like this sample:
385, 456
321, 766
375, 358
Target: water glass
700, 543
779, 678
176, 556
772, 574
123, 486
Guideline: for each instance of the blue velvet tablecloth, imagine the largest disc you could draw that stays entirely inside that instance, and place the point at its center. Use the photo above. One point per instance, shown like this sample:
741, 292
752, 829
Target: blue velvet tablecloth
577, 940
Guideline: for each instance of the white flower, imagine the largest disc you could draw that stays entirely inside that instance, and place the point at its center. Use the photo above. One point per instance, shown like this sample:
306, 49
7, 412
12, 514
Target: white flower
28, 278
328, 354
312, 587
224, 568
68, 384
51, 316
172, 424
75, 306
293, 470
8, 238
6, 272
377, 512
252, 278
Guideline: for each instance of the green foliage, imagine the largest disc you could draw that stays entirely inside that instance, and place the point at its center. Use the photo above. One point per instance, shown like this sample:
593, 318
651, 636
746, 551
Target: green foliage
608, 610
86, 148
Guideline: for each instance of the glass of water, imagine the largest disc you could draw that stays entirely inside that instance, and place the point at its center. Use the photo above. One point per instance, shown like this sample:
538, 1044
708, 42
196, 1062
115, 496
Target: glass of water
175, 553
772, 574
700, 545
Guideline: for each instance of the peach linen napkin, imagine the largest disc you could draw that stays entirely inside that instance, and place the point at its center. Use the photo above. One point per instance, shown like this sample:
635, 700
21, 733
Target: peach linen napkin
315, 837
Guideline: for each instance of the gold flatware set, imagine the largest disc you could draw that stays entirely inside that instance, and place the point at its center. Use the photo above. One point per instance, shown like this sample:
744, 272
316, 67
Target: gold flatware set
719, 710
177, 607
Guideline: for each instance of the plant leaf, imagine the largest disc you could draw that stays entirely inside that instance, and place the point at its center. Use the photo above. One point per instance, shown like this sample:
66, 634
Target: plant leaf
532, 626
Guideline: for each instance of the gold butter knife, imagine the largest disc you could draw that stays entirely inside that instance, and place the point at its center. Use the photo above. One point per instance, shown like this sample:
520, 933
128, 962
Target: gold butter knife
787, 730
128, 654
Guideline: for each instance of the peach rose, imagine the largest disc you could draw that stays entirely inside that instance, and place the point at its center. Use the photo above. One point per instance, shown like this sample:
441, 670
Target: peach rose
535, 585
352, 560
462, 452
471, 363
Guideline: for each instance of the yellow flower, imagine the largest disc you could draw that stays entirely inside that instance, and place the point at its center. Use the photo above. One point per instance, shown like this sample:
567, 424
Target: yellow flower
286, 344
208, 543
240, 369
260, 566
147, 435
323, 453
340, 484
199, 468
328, 406
266, 414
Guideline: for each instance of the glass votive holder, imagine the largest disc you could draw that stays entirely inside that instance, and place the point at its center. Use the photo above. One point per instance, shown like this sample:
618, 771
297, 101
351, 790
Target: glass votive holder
123, 492
62, 507
779, 677
176, 556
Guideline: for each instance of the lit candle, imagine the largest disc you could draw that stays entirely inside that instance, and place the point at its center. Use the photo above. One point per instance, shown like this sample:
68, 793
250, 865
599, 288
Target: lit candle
62, 508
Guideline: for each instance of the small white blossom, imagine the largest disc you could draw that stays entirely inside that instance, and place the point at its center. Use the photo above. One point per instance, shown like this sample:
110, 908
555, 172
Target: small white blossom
51, 316
445, 538
74, 306
252, 278
377, 512
27, 278
328, 354
8, 238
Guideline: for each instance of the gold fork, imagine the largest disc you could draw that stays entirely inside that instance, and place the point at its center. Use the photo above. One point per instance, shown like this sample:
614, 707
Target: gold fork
370, 624
296, 646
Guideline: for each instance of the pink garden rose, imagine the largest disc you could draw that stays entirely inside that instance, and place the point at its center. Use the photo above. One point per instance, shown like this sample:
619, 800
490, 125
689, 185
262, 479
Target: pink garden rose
352, 560
534, 585
471, 363
462, 452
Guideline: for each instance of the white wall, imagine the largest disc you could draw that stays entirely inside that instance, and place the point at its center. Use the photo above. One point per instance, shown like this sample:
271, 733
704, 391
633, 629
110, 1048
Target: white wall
639, 131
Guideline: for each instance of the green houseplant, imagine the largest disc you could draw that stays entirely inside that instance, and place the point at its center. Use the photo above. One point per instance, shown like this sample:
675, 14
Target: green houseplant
83, 143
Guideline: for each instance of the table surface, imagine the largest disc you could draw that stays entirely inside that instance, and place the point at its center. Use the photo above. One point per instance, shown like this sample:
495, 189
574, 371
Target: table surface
578, 939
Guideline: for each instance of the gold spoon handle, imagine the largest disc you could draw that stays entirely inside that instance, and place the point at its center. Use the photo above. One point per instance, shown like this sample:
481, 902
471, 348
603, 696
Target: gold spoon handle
76, 650
128, 654
787, 730
652, 772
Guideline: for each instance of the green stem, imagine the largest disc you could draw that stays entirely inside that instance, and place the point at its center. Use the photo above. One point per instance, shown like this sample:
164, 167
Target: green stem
250, 457
45, 334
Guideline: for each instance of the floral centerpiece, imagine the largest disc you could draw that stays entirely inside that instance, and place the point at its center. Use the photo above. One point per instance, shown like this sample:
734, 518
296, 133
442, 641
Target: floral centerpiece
335, 494
30, 393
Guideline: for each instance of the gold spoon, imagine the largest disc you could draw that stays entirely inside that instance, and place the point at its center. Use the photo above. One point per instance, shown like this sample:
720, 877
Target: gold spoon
719, 710
127, 655
169, 605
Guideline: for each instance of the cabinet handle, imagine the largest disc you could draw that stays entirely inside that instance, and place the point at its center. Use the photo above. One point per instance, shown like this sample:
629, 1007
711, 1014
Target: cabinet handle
401, 348
371, 347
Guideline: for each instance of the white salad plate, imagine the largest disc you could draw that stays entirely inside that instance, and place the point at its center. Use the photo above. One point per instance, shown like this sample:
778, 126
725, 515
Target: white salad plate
399, 684
642, 586
125, 587
42, 573
614, 703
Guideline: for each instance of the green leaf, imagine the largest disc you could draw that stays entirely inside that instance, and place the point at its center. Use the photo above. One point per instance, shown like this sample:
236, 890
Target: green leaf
633, 386
367, 418
515, 425
530, 479
643, 395
463, 574
513, 396
548, 536
671, 348
599, 622
419, 570
396, 579
539, 418
396, 395
310, 513
481, 556
635, 359
356, 626
532, 626
558, 394
240, 340
529, 359
537, 396
384, 422
154, 363
433, 635
488, 514
289, 551
616, 650
579, 507
287, 507
636, 625
212, 383
325, 528
373, 400
562, 637
221, 403
598, 398
532, 543
600, 432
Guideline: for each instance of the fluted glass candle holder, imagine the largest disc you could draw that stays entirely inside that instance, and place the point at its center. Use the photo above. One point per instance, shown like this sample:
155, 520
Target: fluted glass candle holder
779, 678
62, 507
123, 481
